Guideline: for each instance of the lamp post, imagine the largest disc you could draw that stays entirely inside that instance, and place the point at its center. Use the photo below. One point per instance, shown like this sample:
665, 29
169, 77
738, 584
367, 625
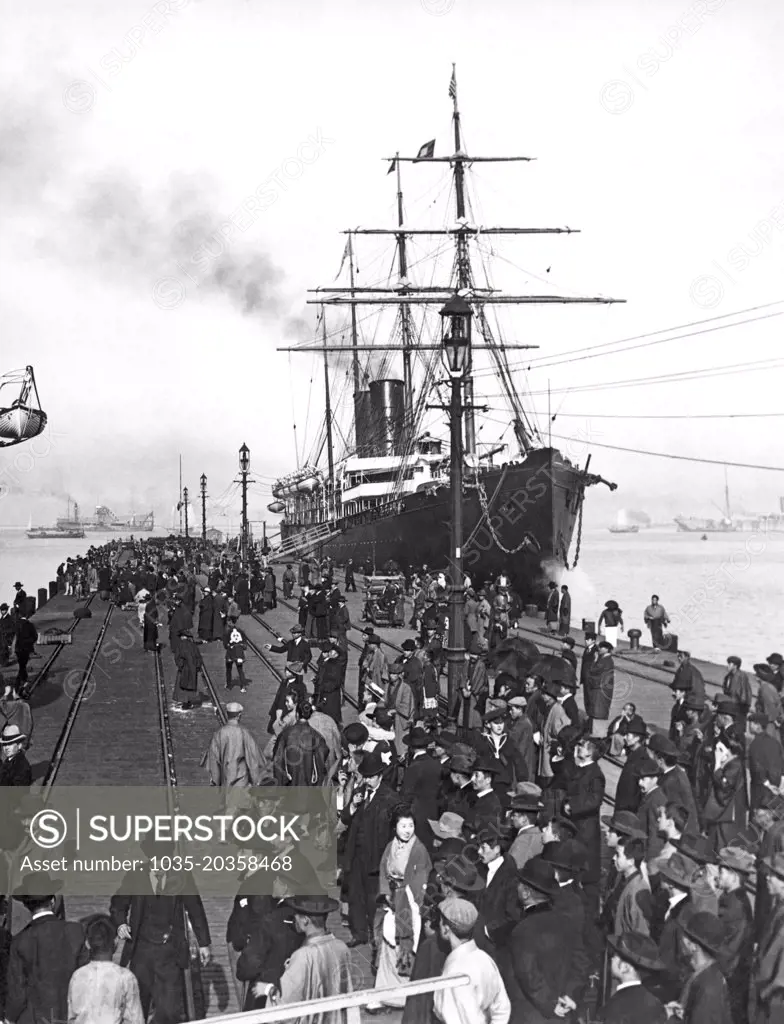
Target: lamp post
185, 507
203, 482
456, 336
244, 470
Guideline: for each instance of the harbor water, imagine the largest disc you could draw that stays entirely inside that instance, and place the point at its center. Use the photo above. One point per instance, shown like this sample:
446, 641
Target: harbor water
724, 595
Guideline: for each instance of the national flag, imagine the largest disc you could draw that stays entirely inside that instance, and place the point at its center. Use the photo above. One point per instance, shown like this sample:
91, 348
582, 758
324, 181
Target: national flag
392, 167
426, 151
453, 86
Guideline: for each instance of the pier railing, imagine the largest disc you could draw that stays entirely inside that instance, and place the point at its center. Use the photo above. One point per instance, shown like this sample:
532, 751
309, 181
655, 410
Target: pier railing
351, 1003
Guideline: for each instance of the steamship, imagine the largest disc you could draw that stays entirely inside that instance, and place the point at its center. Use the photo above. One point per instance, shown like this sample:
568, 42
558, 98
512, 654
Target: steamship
384, 499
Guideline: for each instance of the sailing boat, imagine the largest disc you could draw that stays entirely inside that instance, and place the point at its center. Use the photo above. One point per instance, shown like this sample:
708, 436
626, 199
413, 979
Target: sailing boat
724, 525
385, 501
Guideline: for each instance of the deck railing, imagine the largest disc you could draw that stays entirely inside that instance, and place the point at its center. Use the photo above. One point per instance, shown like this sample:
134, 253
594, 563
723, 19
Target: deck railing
352, 1002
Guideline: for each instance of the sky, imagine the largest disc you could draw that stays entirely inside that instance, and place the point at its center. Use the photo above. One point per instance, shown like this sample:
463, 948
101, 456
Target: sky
174, 176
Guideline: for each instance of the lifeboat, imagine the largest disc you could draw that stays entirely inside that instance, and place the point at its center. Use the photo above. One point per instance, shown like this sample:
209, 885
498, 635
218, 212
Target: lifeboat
306, 481
276, 507
21, 419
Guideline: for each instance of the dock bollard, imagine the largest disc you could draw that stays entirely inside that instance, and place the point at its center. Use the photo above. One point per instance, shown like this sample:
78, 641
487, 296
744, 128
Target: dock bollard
31, 604
634, 639
532, 611
54, 586
43, 596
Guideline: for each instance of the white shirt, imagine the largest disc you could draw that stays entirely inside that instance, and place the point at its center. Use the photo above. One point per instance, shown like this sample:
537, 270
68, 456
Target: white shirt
627, 984
679, 897
483, 1000
492, 868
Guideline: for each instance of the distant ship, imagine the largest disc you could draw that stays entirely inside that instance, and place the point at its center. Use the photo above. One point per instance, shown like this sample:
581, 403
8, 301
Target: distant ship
66, 528
622, 524
726, 524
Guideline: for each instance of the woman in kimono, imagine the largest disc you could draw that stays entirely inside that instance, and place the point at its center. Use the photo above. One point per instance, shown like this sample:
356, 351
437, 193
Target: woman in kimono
726, 808
403, 875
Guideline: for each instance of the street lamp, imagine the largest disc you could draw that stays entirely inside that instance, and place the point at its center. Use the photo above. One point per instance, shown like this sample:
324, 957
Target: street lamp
456, 339
244, 459
203, 486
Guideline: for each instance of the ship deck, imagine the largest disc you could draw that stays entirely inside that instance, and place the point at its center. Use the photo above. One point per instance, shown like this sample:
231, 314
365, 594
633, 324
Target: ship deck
116, 736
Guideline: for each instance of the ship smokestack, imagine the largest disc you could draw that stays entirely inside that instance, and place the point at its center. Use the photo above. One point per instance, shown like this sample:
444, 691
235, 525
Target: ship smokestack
363, 421
387, 400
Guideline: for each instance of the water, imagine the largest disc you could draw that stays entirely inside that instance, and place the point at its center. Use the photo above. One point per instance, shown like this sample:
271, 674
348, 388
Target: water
34, 562
724, 595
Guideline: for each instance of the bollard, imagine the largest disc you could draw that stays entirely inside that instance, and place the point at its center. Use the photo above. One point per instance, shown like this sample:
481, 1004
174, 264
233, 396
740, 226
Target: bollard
634, 639
532, 611
43, 596
54, 587
589, 626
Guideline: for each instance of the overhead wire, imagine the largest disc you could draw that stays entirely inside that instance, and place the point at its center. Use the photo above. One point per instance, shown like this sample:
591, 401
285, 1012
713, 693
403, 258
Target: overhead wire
670, 455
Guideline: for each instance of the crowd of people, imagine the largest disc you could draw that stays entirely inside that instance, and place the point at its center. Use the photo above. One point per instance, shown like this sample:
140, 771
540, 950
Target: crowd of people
474, 838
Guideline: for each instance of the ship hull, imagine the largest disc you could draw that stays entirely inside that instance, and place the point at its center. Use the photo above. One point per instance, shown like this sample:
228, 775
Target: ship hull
533, 507
704, 526
55, 534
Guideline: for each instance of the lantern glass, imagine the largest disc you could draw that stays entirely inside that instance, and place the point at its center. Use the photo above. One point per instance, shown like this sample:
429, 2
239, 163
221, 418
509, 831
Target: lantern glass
244, 458
456, 316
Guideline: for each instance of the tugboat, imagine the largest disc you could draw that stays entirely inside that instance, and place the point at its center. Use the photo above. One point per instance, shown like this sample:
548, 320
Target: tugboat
385, 497
66, 528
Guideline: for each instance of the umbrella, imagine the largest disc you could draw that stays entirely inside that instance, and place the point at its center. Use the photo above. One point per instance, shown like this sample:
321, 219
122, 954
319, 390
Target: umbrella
515, 652
557, 670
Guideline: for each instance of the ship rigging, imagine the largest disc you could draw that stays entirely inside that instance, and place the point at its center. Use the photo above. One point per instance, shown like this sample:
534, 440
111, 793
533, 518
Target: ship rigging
386, 497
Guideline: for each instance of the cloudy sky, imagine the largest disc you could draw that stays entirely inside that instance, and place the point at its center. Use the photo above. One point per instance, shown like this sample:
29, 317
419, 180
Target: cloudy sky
174, 176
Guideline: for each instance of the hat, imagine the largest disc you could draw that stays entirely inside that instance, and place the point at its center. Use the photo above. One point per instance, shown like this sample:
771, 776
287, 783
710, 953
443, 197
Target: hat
678, 870
12, 734
538, 874
449, 849
765, 673
625, 823
3, 607
486, 765
706, 930
647, 768
383, 718
759, 719
494, 715
463, 764
636, 726
605, 645
316, 905
408, 645
417, 739
775, 864
369, 631
568, 854
459, 913
637, 949
296, 668
693, 702
736, 859
396, 669
371, 764
448, 825
43, 883
234, 708
589, 634
296, 630
566, 825
775, 659
526, 797
662, 745
375, 640
461, 874
355, 733
17, 584
568, 640
551, 688
697, 848
445, 739
518, 702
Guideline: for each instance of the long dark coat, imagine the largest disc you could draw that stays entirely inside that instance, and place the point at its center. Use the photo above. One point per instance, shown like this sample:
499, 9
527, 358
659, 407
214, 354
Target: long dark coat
599, 686
328, 686
499, 908
130, 910
188, 661
300, 756
42, 958
421, 788
627, 792
206, 617
584, 795
726, 808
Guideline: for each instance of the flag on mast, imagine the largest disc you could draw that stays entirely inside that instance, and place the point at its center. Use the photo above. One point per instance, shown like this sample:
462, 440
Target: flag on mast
453, 85
392, 166
346, 253
426, 151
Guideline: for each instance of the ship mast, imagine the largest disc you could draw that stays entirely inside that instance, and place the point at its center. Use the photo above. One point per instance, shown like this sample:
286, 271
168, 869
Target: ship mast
405, 312
354, 349
328, 410
463, 264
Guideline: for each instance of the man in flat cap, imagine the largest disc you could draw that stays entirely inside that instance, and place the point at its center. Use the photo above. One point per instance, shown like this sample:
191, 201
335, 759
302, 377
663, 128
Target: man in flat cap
485, 997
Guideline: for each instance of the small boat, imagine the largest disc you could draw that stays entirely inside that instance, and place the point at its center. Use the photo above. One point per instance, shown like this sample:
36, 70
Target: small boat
64, 529
21, 420
632, 528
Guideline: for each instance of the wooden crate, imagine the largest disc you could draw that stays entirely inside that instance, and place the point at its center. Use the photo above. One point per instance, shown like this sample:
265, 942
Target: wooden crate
54, 637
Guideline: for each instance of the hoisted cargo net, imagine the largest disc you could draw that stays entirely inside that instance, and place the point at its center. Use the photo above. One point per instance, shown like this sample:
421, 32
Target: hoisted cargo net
22, 419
